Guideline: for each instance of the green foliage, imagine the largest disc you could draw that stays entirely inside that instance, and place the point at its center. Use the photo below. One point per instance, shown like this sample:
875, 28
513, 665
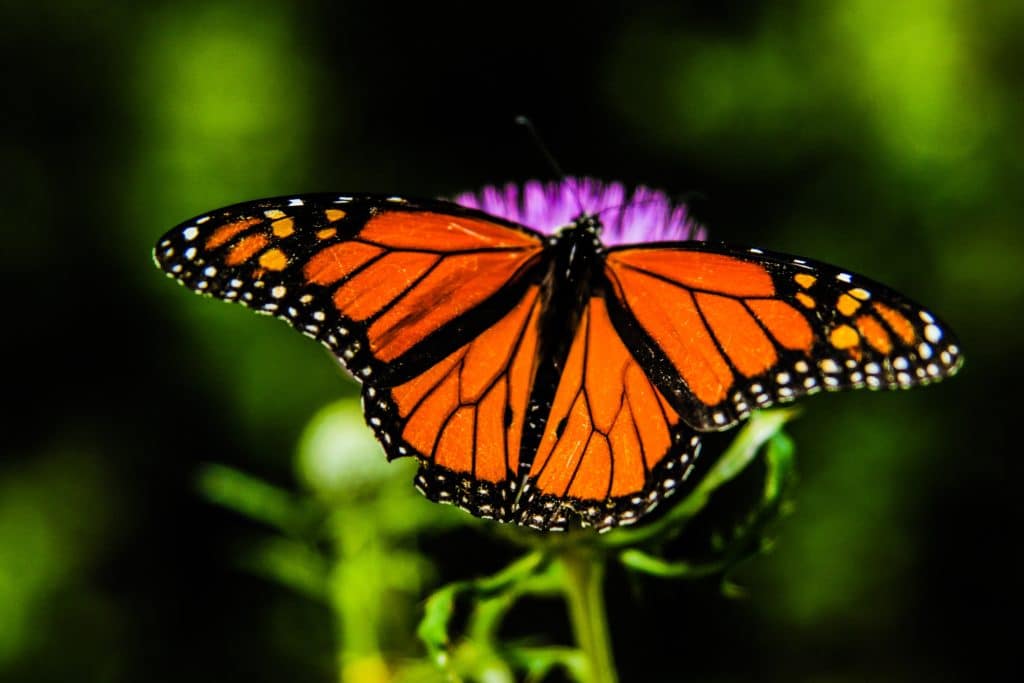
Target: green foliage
370, 574
45, 548
349, 543
571, 565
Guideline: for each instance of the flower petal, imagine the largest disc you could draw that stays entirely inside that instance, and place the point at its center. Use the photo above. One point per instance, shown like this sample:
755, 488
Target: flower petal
647, 215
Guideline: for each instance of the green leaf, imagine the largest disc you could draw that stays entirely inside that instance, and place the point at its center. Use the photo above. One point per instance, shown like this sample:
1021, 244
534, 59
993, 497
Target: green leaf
733, 523
293, 564
255, 498
478, 654
666, 569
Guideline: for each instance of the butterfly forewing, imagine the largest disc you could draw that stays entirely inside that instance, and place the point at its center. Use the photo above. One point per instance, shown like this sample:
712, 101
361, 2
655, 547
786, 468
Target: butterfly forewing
382, 281
725, 331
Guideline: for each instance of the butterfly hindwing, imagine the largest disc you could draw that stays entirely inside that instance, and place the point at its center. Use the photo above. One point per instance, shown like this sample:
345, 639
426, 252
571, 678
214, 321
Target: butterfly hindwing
464, 417
727, 330
612, 447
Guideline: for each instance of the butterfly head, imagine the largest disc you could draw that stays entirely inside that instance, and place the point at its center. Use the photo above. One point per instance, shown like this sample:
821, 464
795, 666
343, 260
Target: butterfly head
586, 226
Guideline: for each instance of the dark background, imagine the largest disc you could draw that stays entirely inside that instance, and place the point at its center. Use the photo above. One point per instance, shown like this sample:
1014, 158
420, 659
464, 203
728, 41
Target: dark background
885, 136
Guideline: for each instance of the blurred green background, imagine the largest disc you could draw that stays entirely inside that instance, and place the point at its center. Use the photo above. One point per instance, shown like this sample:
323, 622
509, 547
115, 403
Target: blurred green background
885, 136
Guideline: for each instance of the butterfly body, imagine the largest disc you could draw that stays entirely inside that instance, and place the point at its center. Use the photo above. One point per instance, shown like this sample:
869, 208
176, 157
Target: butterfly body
548, 381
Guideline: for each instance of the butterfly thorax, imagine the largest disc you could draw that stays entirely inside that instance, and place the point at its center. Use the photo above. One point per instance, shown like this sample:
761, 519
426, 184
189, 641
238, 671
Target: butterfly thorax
574, 257
574, 253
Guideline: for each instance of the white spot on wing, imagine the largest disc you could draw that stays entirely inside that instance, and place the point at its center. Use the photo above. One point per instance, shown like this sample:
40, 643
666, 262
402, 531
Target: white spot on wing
829, 365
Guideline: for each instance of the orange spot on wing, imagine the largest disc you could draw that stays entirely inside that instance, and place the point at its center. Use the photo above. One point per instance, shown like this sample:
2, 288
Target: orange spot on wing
844, 337
847, 305
805, 300
896, 320
335, 262
426, 230
378, 285
245, 248
283, 227
742, 339
227, 232
789, 327
876, 335
860, 293
456, 285
805, 280
699, 270
333, 215
273, 259
326, 233
668, 314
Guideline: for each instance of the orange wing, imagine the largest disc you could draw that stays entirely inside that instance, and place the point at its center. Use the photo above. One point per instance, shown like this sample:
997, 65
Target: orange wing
464, 417
613, 446
385, 283
433, 307
728, 330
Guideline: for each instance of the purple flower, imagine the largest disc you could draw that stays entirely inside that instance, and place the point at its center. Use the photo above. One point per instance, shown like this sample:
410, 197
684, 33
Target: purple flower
645, 216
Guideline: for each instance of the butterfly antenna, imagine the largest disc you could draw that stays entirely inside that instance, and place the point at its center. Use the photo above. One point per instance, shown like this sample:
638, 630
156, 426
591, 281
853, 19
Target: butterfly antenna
526, 123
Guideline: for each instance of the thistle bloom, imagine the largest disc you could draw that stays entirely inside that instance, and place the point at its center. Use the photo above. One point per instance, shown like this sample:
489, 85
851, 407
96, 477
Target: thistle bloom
645, 216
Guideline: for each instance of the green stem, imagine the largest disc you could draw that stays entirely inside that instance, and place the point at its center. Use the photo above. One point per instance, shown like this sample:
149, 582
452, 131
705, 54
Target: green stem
584, 593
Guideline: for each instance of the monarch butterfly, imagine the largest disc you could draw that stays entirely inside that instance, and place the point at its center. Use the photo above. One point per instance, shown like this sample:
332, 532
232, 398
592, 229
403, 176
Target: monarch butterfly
550, 380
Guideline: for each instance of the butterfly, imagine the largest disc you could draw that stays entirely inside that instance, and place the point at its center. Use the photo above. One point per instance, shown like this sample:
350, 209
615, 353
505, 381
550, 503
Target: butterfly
551, 380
